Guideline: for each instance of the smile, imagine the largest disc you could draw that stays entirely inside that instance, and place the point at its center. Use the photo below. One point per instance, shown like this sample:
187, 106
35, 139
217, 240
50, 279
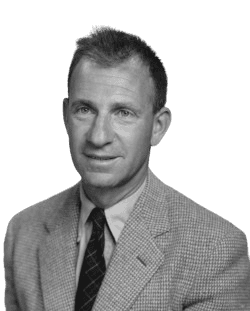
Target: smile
101, 158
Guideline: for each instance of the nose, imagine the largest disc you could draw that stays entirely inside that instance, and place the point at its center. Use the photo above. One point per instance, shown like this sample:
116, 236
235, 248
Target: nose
100, 132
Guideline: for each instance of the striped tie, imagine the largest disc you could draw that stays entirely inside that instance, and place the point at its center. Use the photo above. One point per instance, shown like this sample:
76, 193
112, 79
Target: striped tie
93, 267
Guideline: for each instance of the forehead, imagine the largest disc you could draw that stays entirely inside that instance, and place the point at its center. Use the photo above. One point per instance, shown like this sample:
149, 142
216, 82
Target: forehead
128, 78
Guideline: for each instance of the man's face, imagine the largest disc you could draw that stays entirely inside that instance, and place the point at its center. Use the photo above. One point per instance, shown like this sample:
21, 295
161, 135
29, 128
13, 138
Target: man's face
110, 122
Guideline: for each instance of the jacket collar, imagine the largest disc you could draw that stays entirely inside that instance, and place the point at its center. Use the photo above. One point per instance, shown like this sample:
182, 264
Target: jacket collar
136, 258
138, 253
58, 252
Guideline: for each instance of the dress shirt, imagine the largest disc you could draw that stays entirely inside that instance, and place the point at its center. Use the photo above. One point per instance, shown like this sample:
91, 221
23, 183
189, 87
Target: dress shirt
116, 216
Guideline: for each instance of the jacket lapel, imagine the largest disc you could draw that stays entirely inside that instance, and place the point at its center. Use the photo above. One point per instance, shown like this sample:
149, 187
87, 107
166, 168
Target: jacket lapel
137, 255
58, 255
136, 258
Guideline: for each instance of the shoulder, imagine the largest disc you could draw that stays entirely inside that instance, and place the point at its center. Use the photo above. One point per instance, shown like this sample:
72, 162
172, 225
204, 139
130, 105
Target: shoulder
207, 243
185, 215
43, 211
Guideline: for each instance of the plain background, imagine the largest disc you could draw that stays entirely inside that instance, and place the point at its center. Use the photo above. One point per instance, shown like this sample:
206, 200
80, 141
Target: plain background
205, 48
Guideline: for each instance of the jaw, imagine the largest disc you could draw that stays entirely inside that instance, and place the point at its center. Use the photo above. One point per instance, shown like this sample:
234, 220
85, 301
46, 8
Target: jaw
104, 190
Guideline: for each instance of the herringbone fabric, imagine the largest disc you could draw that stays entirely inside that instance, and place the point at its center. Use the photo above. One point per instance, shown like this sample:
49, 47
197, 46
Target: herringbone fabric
93, 267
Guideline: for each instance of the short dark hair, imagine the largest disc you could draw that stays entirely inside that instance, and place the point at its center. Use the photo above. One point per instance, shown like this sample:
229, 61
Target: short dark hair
109, 47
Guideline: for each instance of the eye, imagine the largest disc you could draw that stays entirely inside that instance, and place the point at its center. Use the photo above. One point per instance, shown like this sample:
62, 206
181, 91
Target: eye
125, 113
83, 110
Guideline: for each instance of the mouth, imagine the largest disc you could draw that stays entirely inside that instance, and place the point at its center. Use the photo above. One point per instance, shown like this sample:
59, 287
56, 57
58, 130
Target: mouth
101, 158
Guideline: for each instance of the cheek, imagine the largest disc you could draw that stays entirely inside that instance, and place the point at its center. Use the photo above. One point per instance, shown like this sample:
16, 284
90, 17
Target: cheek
76, 135
75, 143
138, 142
138, 130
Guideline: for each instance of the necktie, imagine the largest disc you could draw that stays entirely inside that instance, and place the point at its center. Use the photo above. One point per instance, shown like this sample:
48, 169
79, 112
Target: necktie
93, 267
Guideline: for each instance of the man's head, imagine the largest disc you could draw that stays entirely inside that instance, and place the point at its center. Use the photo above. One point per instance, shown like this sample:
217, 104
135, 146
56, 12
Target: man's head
109, 116
109, 48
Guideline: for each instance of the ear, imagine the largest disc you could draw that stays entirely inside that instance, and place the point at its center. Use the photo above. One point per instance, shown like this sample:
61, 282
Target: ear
65, 112
162, 120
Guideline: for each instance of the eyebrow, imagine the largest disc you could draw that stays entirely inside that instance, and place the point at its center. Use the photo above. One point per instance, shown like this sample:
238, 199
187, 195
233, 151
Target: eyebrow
82, 102
125, 105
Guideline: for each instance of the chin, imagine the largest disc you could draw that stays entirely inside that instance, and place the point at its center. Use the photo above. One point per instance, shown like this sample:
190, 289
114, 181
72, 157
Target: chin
99, 180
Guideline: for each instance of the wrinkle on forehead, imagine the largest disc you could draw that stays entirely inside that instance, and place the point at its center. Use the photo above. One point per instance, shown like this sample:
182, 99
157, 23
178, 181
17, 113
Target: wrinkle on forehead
110, 77
102, 83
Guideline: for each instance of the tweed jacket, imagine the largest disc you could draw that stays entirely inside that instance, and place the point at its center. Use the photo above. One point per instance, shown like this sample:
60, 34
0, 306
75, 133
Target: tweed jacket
171, 255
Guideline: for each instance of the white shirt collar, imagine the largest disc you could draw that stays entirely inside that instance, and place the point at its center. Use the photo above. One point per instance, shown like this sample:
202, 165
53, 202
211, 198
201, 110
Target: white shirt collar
116, 215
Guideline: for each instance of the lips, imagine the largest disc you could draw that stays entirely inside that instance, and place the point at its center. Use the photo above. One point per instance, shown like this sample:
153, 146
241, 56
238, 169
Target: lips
100, 157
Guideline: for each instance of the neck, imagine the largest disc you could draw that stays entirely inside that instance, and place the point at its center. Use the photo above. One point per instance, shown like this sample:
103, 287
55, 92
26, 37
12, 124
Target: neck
106, 197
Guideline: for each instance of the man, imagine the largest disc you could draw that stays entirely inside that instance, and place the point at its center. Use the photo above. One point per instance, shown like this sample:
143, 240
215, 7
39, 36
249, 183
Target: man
120, 239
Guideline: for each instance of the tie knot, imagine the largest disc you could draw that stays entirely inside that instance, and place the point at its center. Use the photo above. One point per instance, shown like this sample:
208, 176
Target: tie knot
97, 216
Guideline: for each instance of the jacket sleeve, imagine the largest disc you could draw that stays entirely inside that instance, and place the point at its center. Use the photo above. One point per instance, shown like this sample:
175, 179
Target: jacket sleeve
223, 280
11, 302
